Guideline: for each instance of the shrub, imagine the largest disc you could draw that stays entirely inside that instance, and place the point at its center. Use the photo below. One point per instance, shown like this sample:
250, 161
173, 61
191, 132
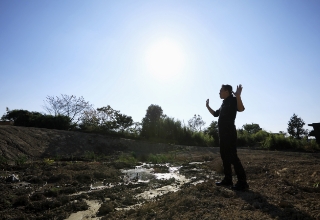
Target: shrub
36, 119
21, 159
160, 158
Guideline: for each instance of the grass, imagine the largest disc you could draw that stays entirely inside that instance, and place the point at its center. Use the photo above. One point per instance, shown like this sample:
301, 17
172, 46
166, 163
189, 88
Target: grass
21, 159
48, 161
160, 158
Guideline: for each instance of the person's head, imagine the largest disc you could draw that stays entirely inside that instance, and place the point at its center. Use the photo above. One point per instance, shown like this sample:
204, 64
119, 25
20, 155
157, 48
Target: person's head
225, 91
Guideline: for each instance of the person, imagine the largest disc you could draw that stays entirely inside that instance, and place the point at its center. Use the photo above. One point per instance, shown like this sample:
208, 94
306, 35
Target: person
228, 136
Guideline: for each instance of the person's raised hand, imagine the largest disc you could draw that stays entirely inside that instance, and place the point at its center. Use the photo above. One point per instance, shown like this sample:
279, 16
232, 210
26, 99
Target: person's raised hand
239, 90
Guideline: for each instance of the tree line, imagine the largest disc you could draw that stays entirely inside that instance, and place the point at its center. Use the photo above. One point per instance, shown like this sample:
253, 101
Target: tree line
75, 113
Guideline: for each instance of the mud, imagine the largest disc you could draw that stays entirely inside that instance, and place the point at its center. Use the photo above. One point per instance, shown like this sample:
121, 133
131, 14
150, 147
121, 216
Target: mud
283, 185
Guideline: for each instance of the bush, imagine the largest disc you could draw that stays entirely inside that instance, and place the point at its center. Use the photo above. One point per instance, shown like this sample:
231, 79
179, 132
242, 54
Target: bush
277, 142
36, 119
160, 158
105, 208
280, 142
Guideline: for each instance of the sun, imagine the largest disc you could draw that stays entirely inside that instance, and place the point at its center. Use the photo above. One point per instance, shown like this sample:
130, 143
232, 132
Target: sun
165, 59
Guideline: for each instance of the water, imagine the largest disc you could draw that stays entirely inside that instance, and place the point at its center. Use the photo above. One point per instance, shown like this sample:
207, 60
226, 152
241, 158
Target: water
144, 173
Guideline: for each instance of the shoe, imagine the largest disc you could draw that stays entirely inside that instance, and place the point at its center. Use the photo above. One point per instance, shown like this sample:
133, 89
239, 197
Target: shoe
241, 186
224, 182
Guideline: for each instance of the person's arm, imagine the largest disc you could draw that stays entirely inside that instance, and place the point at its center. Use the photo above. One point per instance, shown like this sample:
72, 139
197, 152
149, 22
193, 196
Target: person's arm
208, 107
240, 106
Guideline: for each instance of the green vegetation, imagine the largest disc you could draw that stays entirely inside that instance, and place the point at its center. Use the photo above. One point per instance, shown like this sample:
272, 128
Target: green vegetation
295, 127
72, 113
160, 158
132, 159
36, 119
128, 159
3, 160
21, 159
271, 141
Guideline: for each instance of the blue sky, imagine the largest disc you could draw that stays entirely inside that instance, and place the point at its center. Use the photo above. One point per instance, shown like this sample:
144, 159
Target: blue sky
103, 51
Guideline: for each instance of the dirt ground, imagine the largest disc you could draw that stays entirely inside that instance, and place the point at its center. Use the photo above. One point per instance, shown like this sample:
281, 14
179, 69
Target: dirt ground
60, 184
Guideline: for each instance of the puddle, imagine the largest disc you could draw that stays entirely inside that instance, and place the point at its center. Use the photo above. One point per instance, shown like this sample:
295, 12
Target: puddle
144, 173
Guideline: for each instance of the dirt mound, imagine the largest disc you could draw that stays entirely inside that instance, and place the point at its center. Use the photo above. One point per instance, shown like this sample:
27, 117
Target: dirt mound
40, 142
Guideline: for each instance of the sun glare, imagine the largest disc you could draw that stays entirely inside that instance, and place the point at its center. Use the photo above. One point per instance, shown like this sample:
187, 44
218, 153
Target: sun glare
165, 60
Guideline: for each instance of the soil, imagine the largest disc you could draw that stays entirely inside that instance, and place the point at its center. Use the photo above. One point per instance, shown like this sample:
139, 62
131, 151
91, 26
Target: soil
58, 172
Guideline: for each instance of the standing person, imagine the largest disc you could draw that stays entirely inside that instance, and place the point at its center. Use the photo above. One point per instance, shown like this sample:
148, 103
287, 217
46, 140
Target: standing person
228, 136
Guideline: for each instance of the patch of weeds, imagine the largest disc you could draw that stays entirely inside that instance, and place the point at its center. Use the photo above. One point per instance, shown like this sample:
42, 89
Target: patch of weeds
217, 166
21, 200
166, 182
106, 208
57, 157
99, 175
5, 203
37, 197
127, 158
21, 160
54, 179
83, 178
128, 200
68, 190
44, 205
160, 158
77, 205
146, 209
3, 160
55, 216
77, 166
53, 192
64, 199
160, 169
34, 179
48, 161
90, 155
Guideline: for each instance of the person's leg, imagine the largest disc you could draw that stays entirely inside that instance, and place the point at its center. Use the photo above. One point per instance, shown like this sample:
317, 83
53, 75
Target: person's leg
227, 166
227, 181
239, 170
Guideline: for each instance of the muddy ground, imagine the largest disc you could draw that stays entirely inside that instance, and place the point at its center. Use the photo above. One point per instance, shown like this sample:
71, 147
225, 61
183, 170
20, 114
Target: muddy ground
93, 185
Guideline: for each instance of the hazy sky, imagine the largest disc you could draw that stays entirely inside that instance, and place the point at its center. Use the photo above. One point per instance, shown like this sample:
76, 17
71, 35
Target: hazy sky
176, 54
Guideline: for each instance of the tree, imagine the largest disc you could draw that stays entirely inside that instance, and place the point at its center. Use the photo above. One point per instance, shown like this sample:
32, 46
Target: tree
70, 106
36, 119
90, 120
295, 127
251, 128
196, 123
106, 119
123, 121
213, 131
150, 123
20, 117
107, 116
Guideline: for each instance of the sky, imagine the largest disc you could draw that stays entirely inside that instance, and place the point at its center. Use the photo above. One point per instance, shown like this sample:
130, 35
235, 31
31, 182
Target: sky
175, 54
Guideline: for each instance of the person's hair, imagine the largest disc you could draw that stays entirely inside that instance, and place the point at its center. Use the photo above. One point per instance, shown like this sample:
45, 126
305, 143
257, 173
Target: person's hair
227, 87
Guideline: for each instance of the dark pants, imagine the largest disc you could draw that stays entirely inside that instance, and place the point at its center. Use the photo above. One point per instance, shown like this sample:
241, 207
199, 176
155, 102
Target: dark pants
228, 152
